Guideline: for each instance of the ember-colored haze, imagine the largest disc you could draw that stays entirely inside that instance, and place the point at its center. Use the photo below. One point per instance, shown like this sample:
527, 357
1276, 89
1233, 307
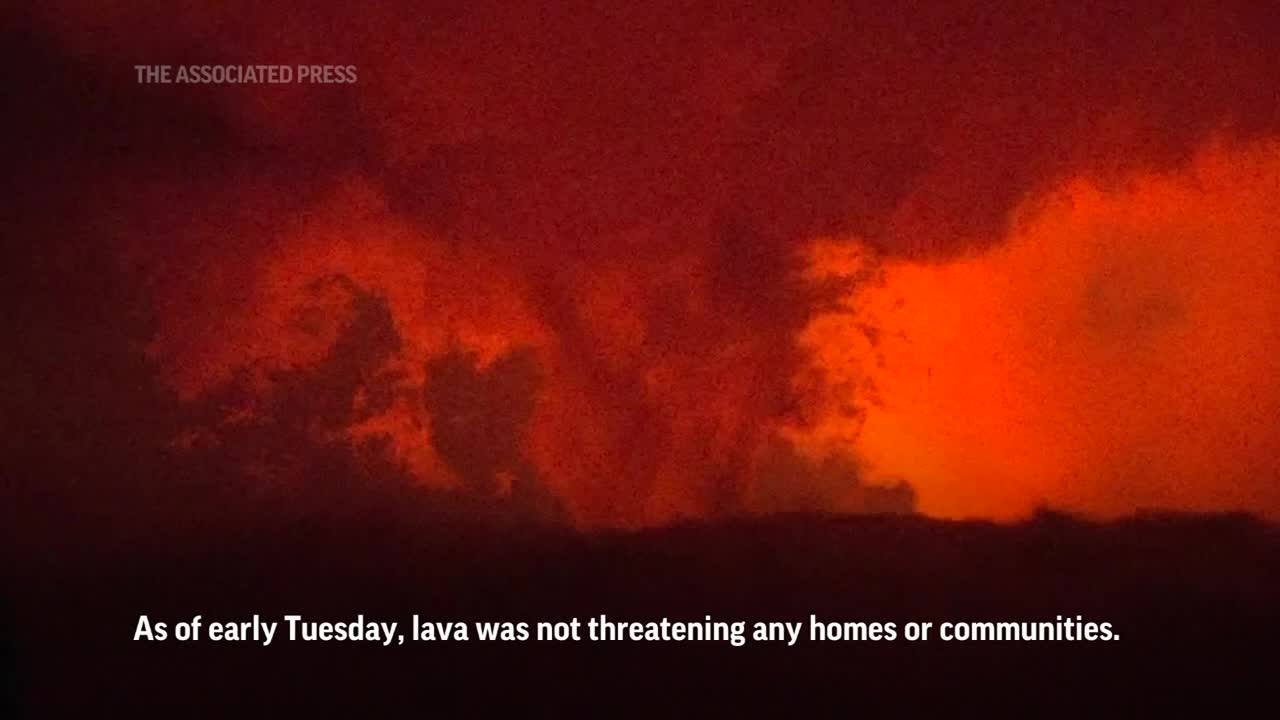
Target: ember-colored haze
665, 203
1118, 351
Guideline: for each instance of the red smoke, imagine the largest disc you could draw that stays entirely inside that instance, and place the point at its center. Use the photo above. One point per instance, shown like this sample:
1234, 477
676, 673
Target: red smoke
655, 200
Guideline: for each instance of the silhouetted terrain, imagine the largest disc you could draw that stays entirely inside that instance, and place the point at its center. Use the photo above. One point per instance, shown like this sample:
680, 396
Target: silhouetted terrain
1194, 599
378, 348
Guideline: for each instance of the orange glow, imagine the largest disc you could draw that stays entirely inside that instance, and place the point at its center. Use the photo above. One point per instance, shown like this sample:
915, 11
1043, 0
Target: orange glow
1117, 352
595, 224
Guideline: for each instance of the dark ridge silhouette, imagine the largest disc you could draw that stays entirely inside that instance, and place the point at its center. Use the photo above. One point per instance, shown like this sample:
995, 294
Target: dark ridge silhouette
1193, 599
613, 138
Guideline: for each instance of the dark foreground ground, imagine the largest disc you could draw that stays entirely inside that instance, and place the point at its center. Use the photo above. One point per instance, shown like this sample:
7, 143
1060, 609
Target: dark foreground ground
1195, 600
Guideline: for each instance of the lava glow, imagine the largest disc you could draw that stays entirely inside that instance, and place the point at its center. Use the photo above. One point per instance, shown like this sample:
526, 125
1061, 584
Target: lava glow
649, 262
1118, 352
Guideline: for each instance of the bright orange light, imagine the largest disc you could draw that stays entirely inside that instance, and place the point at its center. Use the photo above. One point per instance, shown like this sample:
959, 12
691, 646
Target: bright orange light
1118, 352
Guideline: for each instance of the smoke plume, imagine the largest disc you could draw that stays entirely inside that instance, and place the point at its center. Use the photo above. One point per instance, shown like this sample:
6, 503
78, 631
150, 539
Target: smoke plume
618, 261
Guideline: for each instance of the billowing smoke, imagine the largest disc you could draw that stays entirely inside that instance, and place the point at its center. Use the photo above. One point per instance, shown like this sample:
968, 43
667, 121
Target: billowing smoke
1118, 352
566, 253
